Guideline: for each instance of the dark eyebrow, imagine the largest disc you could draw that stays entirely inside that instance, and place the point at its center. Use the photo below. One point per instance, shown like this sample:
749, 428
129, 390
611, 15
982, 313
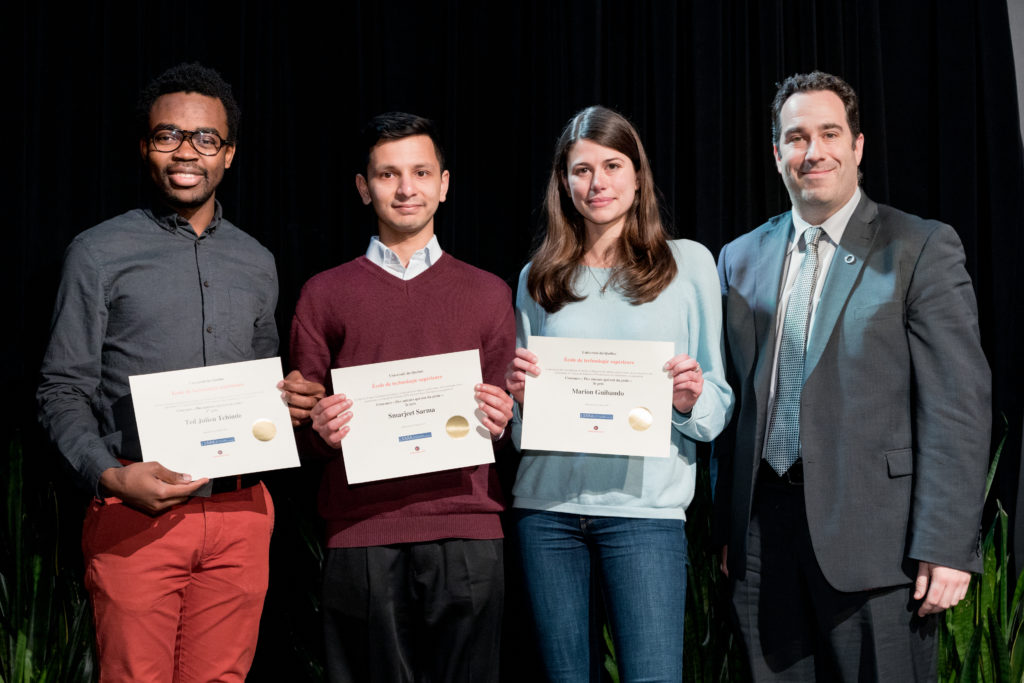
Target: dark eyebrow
391, 168
171, 126
800, 129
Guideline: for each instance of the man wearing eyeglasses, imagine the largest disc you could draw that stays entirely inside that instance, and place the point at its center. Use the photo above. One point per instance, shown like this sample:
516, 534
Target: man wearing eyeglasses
176, 568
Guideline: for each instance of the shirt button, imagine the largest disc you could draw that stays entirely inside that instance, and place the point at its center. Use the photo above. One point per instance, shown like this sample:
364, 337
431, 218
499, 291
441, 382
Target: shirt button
206, 283
209, 328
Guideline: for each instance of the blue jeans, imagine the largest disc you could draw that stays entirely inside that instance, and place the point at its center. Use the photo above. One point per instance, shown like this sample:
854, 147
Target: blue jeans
641, 567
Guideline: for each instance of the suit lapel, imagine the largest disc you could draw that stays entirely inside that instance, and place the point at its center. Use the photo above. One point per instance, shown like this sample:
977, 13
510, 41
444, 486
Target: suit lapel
847, 263
771, 258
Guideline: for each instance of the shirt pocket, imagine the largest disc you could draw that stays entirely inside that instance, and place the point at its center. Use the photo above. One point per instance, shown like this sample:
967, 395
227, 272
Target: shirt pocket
245, 309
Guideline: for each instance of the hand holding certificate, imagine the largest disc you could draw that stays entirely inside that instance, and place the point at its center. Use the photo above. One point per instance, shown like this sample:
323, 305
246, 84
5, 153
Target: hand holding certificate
599, 396
215, 421
413, 416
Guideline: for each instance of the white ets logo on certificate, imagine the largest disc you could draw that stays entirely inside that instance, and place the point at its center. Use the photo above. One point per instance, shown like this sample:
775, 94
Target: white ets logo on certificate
599, 396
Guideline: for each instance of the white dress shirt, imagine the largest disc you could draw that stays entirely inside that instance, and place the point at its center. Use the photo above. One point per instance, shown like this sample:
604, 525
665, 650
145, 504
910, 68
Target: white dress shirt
833, 229
418, 263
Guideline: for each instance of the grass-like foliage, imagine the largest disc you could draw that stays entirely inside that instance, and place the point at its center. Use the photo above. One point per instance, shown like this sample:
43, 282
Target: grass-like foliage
979, 639
45, 621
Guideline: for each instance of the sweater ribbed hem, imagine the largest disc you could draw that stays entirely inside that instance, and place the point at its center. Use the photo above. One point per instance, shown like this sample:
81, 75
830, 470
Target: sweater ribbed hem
391, 530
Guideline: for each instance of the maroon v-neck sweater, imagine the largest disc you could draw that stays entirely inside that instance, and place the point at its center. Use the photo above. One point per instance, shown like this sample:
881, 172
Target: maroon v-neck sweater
356, 314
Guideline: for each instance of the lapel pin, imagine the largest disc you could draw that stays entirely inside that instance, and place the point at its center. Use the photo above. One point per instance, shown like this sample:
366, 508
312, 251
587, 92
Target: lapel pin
849, 258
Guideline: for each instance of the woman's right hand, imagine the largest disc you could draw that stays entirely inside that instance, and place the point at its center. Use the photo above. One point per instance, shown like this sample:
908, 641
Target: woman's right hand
515, 375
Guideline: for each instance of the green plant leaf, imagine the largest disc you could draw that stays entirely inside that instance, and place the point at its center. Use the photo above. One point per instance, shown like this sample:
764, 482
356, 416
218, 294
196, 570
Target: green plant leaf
948, 659
1000, 655
1014, 641
995, 457
962, 622
970, 672
1002, 585
987, 584
610, 665
45, 624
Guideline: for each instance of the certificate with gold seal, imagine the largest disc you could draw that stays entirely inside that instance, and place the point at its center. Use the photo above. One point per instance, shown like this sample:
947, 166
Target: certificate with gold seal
413, 416
215, 421
599, 396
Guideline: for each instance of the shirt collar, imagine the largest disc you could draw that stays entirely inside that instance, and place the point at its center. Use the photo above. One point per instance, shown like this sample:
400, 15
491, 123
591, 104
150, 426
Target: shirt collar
834, 226
172, 221
382, 256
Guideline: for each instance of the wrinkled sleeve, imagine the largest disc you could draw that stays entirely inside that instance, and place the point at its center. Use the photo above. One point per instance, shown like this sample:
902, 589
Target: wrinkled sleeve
529, 316
497, 346
265, 339
713, 408
952, 409
72, 367
310, 354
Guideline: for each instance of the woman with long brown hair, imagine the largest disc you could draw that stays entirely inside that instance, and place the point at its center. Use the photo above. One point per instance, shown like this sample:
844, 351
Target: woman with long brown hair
607, 269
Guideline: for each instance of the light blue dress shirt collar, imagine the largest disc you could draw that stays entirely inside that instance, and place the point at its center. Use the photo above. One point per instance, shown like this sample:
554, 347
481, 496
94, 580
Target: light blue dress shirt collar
418, 263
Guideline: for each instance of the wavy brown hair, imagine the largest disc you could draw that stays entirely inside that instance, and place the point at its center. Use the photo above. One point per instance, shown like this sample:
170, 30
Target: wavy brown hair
644, 262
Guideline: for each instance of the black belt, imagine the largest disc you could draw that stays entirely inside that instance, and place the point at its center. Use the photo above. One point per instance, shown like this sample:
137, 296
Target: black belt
794, 476
237, 483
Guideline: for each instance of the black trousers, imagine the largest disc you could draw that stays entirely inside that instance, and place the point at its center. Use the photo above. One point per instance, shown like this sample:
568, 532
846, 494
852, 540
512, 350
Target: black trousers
797, 627
417, 612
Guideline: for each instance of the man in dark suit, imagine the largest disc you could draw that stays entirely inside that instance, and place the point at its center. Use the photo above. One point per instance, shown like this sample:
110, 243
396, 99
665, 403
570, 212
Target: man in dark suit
851, 488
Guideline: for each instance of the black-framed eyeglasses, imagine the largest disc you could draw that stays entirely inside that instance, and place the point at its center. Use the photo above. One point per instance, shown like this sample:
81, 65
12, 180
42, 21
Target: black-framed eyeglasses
204, 142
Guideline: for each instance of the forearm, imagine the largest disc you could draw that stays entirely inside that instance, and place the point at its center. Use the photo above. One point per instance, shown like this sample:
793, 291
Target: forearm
68, 419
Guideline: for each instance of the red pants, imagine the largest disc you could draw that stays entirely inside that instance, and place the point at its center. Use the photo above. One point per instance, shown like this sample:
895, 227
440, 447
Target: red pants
178, 597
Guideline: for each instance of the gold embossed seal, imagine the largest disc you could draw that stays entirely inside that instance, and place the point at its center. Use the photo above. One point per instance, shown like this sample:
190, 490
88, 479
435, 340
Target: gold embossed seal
457, 427
640, 419
264, 430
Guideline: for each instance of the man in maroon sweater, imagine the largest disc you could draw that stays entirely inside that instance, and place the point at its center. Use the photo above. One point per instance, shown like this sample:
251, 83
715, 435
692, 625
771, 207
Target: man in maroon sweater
413, 582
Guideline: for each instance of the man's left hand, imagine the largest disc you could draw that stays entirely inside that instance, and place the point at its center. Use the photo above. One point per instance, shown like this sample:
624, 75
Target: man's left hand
940, 587
495, 408
301, 395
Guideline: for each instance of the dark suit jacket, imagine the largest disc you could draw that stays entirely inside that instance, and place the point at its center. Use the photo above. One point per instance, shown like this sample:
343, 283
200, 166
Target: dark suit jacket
895, 414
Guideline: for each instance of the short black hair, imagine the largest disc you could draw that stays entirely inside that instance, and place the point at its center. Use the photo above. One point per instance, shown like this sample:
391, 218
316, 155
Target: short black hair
195, 78
395, 125
815, 81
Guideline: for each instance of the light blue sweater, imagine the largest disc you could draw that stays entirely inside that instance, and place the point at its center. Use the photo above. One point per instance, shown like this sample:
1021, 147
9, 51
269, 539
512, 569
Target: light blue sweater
689, 314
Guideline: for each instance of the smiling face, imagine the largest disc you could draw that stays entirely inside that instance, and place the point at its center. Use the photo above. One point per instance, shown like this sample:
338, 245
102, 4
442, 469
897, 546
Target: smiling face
405, 184
186, 179
816, 154
602, 183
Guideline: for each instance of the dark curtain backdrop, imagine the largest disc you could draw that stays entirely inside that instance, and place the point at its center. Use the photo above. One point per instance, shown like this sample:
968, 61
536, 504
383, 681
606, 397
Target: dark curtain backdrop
935, 78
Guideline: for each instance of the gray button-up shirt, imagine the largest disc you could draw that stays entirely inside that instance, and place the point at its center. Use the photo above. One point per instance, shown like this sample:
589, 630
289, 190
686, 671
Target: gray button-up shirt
143, 293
